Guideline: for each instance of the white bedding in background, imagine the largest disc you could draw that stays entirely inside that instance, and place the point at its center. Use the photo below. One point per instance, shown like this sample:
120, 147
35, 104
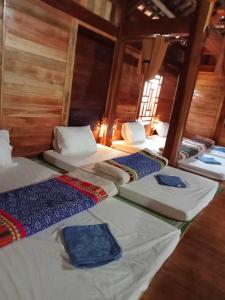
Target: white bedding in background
177, 203
216, 153
212, 171
38, 267
153, 143
70, 162
25, 172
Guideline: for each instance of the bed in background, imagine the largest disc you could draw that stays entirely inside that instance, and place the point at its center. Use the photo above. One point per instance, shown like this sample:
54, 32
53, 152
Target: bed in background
75, 147
174, 202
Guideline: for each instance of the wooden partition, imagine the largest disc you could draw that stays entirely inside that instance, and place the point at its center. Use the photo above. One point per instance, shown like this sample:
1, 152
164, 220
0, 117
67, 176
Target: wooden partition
38, 54
129, 92
206, 105
94, 55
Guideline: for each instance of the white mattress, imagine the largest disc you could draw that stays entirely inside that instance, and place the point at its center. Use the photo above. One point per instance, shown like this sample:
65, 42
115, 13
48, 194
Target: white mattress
153, 143
38, 267
70, 162
25, 172
212, 171
216, 153
177, 203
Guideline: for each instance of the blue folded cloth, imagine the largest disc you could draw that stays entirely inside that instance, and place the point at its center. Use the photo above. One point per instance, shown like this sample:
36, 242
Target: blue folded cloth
168, 180
219, 148
91, 246
209, 160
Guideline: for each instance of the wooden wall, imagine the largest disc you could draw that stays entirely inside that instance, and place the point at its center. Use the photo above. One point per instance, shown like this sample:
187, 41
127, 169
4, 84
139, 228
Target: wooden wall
129, 92
166, 97
206, 105
38, 53
94, 55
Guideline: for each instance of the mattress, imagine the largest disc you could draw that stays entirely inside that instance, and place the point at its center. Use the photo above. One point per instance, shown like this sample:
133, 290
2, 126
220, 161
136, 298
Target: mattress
39, 268
178, 203
216, 153
193, 164
70, 162
153, 143
25, 172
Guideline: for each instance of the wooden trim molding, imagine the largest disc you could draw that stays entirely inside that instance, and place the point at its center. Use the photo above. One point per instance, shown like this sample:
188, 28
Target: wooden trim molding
69, 71
85, 16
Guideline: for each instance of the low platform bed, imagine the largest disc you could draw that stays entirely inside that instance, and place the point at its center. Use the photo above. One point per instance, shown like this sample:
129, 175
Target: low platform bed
146, 243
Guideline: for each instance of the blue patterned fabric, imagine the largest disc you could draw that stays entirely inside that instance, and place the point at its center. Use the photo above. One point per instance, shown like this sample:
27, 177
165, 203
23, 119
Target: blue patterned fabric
41, 205
168, 180
140, 163
91, 246
219, 148
209, 160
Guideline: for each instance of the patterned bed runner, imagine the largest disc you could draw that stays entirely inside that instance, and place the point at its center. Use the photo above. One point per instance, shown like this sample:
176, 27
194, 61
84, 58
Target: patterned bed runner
139, 164
31, 209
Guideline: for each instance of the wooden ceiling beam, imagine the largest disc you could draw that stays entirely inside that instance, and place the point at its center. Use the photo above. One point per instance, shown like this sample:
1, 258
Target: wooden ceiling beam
84, 15
163, 8
139, 30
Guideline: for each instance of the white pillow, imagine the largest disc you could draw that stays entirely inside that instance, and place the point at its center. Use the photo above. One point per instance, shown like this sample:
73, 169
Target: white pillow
134, 132
5, 154
162, 128
75, 140
4, 134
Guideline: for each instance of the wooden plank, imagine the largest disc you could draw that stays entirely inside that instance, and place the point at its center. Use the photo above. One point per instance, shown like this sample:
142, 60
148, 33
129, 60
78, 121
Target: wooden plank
186, 84
114, 86
38, 64
1, 53
77, 11
139, 30
69, 71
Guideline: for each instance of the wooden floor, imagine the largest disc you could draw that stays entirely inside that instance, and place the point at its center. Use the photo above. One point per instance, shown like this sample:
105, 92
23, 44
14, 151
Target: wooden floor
196, 270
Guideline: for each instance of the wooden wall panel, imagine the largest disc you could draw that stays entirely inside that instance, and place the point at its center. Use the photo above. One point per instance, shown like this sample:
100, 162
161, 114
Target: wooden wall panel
38, 58
1, 52
166, 97
94, 55
206, 105
129, 92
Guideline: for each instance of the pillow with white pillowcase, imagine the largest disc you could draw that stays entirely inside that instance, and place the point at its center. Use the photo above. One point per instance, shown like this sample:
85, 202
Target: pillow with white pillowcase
133, 132
75, 140
162, 128
4, 134
5, 154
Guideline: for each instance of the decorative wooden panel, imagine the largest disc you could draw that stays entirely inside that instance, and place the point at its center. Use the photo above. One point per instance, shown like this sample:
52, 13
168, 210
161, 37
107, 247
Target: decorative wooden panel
166, 96
92, 71
129, 91
39, 44
206, 105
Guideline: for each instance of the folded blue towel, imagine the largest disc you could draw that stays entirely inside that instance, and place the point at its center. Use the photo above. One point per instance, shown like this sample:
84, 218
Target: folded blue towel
168, 180
91, 246
209, 160
219, 148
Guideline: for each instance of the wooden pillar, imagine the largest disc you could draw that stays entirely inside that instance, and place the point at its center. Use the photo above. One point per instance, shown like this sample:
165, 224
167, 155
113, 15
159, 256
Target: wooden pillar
114, 88
116, 72
186, 83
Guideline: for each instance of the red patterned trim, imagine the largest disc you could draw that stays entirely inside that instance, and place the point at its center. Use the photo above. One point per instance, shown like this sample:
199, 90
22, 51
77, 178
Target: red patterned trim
10, 229
95, 192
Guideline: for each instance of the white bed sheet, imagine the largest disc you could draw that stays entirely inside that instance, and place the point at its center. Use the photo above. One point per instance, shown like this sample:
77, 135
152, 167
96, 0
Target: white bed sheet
38, 267
70, 162
25, 172
193, 164
153, 143
178, 203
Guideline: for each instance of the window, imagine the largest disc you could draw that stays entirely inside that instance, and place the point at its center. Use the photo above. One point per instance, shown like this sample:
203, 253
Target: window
149, 99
